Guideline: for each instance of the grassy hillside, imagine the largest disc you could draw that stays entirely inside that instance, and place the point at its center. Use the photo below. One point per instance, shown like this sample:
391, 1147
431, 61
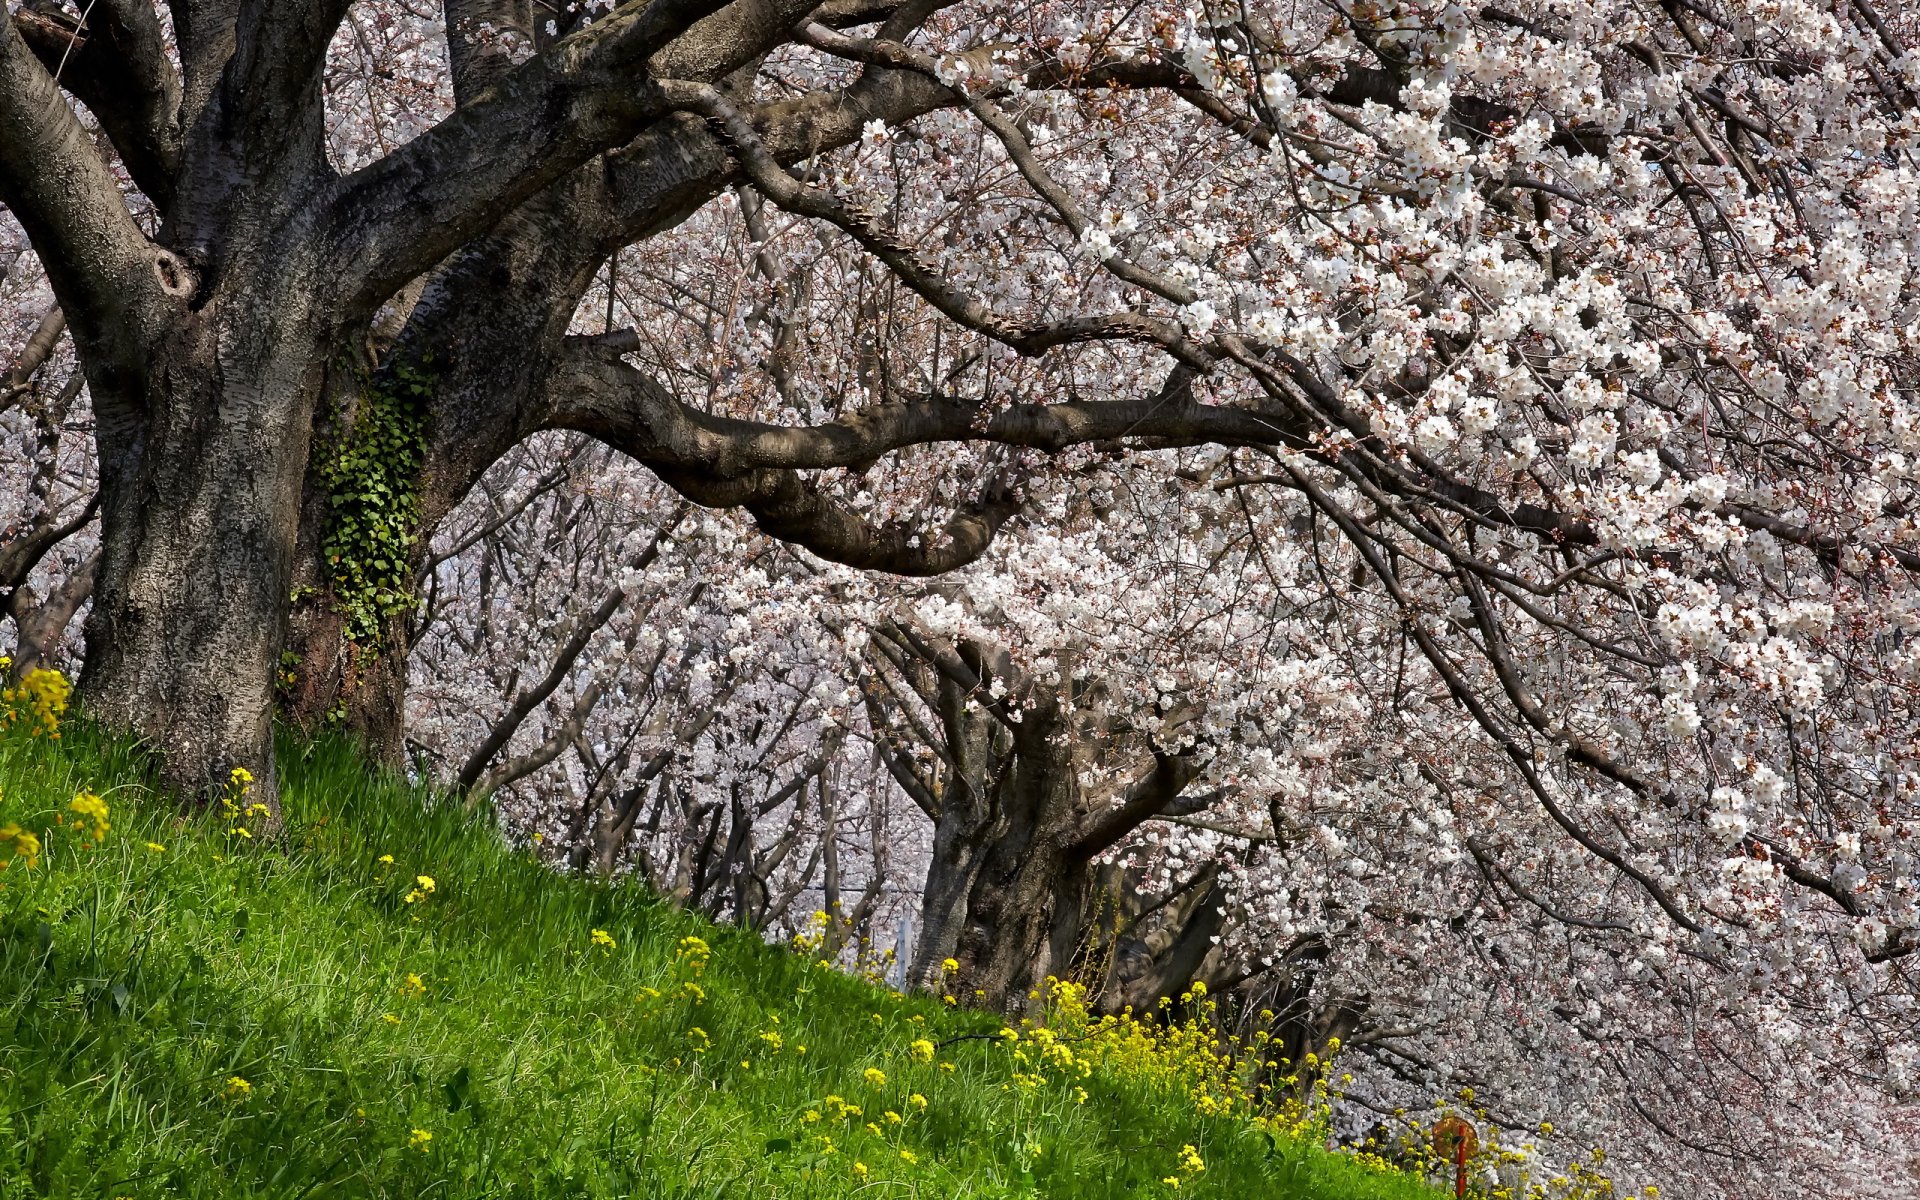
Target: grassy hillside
185, 1012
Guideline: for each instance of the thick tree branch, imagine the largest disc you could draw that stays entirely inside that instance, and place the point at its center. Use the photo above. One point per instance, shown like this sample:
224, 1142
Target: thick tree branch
792, 509
1153, 793
102, 268
597, 393
589, 92
116, 64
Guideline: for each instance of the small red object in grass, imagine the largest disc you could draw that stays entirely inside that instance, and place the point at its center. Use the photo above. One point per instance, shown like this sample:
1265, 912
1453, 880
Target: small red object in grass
1455, 1139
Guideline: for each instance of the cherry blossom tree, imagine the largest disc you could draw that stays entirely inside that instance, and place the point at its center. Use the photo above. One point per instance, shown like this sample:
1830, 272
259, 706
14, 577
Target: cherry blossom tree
1508, 407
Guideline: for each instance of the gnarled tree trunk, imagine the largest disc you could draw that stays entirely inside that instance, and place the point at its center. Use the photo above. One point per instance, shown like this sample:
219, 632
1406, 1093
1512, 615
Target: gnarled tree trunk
201, 470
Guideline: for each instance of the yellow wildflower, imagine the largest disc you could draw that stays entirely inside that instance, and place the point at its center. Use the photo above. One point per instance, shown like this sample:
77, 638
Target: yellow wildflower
875, 1077
237, 1089
859, 1170
917, 1102
92, 812
909, 1157
390, 1018
699, 1040
604, 940
39, 700
423, 886
156, 847
694, 953
413, 987
19, 843
949, 965
419, 1140
921, 1050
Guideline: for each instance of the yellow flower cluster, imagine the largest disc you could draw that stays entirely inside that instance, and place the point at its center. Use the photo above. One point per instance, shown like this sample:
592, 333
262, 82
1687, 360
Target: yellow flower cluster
18, 845
90, 816
692, 955
36, 703
604, 940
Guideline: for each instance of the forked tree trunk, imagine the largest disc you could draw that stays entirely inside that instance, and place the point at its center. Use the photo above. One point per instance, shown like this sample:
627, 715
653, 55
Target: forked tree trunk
201, 493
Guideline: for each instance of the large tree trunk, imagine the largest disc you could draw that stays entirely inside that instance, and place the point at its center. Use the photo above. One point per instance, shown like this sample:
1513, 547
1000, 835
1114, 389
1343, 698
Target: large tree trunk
1022, 911
200, 485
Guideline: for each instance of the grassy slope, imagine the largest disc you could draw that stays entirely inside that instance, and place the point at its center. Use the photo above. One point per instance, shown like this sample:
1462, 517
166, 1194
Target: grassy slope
135, 982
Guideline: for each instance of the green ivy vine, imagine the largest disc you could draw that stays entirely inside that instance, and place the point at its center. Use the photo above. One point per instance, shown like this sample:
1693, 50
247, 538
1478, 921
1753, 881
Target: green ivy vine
373, 503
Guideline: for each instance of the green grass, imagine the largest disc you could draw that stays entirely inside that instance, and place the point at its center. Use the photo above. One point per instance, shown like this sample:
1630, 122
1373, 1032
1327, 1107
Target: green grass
135, 983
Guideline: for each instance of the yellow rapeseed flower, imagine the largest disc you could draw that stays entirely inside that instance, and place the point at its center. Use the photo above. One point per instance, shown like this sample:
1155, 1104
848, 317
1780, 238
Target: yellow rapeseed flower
18, 843
39, 700
921, 1050
917, 1102
92, 812
859, 1170
874, 1076
604, 940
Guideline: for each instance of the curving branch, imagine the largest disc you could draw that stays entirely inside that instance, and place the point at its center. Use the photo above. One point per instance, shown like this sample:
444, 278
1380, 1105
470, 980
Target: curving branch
597, 393
791, 508
101, 266
115, 62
